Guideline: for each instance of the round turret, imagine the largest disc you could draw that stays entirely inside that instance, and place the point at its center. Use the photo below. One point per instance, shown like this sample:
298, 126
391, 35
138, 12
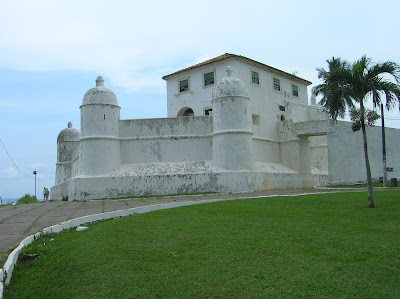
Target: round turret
229, 87
67, 152
69, 134
99, 95
232, 125
99, 143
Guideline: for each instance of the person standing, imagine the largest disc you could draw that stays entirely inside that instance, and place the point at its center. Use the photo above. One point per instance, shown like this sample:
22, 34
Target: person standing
46, 194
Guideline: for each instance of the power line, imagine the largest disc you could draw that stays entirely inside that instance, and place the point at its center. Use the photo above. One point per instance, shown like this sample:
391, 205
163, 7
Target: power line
11, 158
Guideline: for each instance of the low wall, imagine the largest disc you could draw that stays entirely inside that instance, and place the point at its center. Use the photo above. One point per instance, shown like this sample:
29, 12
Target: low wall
160, 149
83, 188
266, 150
196, 125
166, 140
346, 160
63, 191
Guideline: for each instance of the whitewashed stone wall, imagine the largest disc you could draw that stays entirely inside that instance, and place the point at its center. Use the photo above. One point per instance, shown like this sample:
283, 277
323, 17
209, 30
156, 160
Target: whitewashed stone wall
166, 140
346, 160
319, 152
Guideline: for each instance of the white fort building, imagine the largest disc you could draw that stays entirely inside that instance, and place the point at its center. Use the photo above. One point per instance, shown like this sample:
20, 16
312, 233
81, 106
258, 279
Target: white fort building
234, 125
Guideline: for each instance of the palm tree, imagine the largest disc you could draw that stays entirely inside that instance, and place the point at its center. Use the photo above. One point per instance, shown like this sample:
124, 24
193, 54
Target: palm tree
346, 86
333, 100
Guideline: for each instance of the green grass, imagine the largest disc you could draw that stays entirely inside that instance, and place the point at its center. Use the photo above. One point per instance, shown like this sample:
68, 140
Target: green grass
315, 246
361, 185
27, 198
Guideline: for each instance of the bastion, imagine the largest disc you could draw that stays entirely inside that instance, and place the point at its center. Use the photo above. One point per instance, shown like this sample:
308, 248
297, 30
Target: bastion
112, 158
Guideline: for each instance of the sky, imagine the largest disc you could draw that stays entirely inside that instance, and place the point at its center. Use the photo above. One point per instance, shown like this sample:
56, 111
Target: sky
52, 51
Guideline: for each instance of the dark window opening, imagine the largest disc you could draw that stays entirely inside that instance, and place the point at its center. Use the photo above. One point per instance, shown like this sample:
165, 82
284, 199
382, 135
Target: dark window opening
188, 112
277, 84
184, 85
295, 91
255, 78
185, 111
209, 79
208, 111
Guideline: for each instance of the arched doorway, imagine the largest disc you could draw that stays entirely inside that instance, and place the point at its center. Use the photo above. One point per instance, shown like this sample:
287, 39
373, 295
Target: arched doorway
186, 112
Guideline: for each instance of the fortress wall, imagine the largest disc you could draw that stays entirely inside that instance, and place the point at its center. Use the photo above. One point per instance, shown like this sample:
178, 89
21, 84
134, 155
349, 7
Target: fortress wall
68, 154
346, 160
158, 149
166, 140
75, 167
195, 125
319, 152
266, 150
84, 188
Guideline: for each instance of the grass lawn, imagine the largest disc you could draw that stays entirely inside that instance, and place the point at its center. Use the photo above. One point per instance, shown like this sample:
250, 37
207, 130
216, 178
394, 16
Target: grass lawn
362, 185
314, 246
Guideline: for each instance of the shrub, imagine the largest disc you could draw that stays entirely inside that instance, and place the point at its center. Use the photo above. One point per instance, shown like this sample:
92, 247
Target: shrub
27, 198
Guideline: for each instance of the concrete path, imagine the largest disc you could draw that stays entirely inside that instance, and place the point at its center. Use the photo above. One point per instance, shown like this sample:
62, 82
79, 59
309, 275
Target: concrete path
20, 221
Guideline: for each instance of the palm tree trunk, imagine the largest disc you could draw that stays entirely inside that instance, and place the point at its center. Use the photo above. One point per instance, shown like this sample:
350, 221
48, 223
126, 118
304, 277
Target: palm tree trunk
368, 168
383, 148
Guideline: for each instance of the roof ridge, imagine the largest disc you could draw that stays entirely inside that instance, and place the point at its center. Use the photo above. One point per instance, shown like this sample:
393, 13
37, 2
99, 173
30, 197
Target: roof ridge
229, 55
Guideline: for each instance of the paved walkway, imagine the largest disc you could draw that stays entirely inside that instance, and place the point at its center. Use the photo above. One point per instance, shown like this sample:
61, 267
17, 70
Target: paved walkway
20, 221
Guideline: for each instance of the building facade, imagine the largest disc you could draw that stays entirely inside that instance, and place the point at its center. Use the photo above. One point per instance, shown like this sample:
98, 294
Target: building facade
234, 125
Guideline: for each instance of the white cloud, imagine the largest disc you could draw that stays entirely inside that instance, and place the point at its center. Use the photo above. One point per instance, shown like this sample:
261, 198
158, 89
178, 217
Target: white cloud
116, 38
11, 173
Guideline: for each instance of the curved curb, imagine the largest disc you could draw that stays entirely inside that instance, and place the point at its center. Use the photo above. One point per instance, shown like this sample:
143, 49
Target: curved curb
6, 272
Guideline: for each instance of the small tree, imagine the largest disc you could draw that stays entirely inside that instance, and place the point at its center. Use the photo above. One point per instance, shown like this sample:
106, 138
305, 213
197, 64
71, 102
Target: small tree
370, 117
346, 86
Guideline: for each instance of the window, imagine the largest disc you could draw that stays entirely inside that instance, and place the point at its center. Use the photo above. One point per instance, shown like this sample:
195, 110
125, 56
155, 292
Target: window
256, 119
208, 79
282, 108
208, 111
184, 85
295, 90
277, 84
255, 78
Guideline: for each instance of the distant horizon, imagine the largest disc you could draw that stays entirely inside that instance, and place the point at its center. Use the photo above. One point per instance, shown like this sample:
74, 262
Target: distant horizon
8, 200
11, 200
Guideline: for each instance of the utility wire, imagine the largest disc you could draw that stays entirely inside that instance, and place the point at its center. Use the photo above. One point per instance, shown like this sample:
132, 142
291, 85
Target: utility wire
11, 158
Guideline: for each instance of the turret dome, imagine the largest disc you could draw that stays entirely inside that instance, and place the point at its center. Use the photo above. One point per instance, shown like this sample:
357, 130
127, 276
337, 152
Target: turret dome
229, 86
99, 95
69, 134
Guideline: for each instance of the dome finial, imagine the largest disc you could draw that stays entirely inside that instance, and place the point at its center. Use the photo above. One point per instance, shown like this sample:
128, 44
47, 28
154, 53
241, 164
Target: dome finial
69, 125
228, 71
99, 81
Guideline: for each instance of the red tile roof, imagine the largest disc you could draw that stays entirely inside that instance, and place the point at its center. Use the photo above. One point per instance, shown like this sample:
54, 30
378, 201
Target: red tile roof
245, 59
